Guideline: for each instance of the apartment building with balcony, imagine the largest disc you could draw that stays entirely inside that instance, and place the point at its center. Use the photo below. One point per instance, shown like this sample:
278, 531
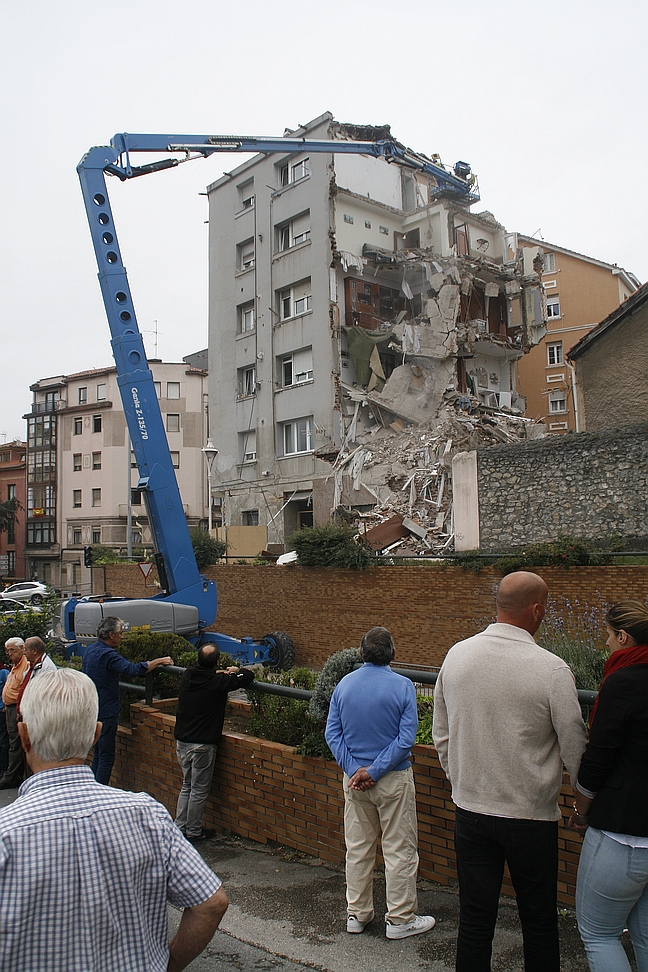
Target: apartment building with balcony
579, 291
82, 480
346, 292
13, 486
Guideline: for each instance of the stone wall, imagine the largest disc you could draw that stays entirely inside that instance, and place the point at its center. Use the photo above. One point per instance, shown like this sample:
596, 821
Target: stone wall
427, 607
593, 485
265, 792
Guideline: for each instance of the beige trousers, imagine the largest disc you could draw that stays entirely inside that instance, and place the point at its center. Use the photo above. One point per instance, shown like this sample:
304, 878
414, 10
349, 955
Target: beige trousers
388, 807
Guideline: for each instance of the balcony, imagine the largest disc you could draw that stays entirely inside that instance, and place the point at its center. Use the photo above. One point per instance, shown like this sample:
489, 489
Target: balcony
38, 408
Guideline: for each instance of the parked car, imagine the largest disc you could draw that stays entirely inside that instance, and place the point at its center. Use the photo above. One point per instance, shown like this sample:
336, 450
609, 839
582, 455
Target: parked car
9, 606
31, 591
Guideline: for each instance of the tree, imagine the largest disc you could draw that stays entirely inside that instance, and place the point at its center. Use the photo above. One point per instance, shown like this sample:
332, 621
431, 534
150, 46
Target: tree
8, 513
207, 550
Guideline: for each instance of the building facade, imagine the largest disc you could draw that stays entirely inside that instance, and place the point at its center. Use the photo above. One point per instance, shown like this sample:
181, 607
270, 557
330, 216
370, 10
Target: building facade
13, 486
347, 293
580, 291
82, 481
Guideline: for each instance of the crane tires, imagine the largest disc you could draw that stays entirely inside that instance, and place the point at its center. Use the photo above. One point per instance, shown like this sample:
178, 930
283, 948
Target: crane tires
282, 650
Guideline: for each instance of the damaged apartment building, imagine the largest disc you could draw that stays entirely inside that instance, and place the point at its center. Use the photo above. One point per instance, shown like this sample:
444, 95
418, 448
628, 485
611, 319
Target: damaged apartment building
364, 327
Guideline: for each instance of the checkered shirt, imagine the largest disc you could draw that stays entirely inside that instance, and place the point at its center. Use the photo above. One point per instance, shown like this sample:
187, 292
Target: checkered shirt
86, 872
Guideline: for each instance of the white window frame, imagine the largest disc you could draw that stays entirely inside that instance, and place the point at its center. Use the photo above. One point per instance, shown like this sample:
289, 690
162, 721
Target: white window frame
77, 460
557, 426
175, 459
83, 395
96, 497
248, 446
296, 433
245, 255
549, 263
77, 499
557, 401
96, 534
555, 350
158, 388
246, 318
96, 463
101, 392
77, 535
295, 301
295, 368
246, 196
246, 381
553, 308
172, 422
287, 237
171, 387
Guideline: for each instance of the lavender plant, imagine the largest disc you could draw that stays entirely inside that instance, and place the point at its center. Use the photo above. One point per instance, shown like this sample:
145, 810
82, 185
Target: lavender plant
576, 633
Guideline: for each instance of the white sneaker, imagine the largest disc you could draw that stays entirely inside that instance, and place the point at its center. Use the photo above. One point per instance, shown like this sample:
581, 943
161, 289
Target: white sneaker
354, 927
418, 925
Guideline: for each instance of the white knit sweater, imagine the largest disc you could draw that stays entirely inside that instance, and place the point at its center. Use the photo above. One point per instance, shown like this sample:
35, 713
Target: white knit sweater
506, 718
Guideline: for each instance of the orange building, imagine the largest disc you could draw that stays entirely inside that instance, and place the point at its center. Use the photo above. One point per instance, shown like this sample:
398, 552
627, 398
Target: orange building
580, 291
12, 485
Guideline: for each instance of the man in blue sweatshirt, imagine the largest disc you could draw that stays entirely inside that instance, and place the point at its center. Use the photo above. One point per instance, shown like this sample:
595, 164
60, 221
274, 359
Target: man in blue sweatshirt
371, 729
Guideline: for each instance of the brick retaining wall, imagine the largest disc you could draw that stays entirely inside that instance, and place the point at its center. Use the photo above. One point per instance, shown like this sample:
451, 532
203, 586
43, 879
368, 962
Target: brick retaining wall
427, 607
265, 792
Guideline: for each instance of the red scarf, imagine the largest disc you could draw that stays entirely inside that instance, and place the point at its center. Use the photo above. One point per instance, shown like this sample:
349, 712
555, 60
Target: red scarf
621, 658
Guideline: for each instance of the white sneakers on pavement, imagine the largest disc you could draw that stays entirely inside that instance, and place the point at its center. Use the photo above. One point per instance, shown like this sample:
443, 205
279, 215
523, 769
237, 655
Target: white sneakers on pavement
354, 927
418, 925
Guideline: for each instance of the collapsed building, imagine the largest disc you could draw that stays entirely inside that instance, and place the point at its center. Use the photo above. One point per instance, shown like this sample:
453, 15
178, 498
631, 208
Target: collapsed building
373, 323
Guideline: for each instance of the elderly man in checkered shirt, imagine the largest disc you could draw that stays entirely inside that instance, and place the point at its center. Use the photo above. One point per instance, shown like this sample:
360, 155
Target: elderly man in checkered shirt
86, 870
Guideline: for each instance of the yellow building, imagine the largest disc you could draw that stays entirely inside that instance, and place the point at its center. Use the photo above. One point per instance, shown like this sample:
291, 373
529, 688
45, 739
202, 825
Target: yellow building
580, 291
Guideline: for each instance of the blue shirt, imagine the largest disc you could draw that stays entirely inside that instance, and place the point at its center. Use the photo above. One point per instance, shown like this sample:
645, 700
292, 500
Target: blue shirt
103, 665
86, 872
372, 721
4, 675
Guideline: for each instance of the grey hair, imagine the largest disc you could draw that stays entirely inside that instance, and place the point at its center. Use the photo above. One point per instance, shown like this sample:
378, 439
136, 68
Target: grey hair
14, 643
108, 626
60, 709
377, 646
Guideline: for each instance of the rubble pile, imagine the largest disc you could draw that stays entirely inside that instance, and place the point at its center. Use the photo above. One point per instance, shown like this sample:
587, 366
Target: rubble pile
408, 469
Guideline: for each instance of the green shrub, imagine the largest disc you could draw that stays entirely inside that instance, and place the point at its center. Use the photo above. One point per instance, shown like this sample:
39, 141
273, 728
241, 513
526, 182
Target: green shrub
425, 710
25, 625
564, 551
206, 549
331, 545
576, 633
286, 720
335, 668
102, 554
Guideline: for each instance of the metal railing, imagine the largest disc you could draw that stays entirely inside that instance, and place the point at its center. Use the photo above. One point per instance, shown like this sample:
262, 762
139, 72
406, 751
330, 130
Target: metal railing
586, 697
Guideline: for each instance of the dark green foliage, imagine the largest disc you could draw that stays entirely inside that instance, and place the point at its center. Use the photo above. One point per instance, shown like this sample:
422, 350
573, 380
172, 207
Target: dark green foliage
564, 551
102, 554
207, 550
27, 625
287, 720
8, 513
335, 668
425, 709
332, 545
139, 646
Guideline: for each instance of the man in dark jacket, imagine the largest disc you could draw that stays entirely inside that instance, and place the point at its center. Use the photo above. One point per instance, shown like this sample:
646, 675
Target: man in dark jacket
202, 698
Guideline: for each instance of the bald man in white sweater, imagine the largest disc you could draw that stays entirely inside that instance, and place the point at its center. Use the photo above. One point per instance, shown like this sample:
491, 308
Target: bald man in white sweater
506, 719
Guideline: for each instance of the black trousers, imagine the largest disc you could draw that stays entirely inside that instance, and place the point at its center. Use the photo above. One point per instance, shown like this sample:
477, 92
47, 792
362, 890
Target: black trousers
15, 770
530, 848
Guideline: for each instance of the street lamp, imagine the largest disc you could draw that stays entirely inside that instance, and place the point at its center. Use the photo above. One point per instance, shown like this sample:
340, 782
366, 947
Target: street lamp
210, 452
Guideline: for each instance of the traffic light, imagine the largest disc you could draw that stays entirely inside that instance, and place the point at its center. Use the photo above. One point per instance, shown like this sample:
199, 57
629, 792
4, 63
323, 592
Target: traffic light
87, 556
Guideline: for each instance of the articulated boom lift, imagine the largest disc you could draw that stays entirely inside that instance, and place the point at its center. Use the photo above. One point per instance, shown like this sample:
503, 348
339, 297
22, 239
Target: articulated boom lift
188, 601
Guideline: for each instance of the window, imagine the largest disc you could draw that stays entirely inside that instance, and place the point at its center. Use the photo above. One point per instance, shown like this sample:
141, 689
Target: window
78, 426
83, 395
553, 307
293, 233
555, 353
39, 533
11, 491
173, 389
295, 300
101, 392
96, 534
245, 193
96, 423
175, 459
96, 460
297, 367
557, 426
136, 497
248, 445
557, 400
246, 382
172, 422
76, 536
96, 497
133, 461
76, 574
348, 218
246, 317
11, 565
367, 224
384, 230
298, 436
290, 172
76, 498
158, 388
250, 517
245, 255
76, 462
549, 263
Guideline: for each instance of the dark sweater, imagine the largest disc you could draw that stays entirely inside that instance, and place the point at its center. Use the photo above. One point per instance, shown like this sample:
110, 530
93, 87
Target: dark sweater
615, 763
202, 698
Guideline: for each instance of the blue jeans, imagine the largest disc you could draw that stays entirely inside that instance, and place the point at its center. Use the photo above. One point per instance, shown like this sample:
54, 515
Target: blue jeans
197, 763
530, 848
612, 894
104, 751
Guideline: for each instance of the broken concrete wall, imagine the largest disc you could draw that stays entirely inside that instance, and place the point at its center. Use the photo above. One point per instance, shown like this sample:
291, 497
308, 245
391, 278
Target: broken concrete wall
593, 485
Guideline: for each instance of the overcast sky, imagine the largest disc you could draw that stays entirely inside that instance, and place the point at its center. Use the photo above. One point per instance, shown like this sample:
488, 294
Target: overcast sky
546, 101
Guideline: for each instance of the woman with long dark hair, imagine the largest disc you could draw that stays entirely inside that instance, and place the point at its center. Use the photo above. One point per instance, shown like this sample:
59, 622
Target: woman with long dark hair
611, 807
